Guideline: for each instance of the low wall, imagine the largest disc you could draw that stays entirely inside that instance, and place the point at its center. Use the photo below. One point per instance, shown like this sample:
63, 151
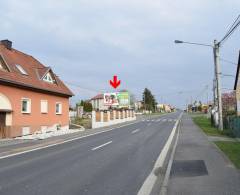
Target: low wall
103, 119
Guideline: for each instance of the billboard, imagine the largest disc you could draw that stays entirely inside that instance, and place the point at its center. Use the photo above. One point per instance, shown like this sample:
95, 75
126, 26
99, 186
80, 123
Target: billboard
120, 99
123, 99
110, 99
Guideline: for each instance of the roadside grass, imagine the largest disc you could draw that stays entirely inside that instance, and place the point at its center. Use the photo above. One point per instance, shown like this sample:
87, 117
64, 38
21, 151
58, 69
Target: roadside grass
232, 150
205, 124
85, 122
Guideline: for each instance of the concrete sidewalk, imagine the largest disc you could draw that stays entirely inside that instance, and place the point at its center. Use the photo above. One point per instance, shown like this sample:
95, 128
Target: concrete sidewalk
199, 167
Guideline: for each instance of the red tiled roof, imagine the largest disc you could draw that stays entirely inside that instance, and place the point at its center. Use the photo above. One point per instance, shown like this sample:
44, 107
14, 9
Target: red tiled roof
99, 96
34, 69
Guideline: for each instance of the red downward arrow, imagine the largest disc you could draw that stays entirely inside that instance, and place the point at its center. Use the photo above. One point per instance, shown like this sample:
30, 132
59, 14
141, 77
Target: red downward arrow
115, 83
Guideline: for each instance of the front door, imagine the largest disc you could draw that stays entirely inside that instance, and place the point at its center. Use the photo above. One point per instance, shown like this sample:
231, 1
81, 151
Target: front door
2, 119
2, 124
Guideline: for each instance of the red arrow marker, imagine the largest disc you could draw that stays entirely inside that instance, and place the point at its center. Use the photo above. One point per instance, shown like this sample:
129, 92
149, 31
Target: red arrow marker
115, 83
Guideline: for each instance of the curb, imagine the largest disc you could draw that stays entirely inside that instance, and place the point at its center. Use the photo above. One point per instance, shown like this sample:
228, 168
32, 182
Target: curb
163, 189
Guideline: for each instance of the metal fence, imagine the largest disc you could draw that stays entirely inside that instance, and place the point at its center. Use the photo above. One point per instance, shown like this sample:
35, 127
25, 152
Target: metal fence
232, 125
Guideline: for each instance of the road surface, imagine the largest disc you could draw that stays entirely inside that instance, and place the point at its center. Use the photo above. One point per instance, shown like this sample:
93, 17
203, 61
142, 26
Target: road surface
111, 163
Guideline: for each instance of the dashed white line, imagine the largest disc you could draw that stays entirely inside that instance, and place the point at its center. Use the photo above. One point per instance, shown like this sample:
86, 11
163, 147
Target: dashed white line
101, 145
135, 131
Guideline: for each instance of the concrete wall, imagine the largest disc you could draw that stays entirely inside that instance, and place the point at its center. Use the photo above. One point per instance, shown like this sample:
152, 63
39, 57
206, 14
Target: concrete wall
103, 119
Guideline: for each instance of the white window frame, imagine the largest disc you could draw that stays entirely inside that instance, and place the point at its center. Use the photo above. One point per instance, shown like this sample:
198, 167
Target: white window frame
42, 105
28, 105
48, 78
21, 69
60, 108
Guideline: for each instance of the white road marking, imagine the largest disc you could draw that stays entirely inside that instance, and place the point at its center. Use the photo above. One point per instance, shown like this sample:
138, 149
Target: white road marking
135, 131
101, 145
164, 120
153, 120
152, 178
66, 141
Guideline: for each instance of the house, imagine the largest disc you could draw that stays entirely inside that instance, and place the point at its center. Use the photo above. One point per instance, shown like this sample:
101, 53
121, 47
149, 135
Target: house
138, 105
98, 103
237, 86
32, 97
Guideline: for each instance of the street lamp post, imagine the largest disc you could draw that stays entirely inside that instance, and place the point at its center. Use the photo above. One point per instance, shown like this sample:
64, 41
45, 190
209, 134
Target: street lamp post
216, 81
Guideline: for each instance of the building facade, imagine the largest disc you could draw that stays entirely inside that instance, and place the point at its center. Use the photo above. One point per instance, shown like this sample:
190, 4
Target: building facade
98, 103
32, 97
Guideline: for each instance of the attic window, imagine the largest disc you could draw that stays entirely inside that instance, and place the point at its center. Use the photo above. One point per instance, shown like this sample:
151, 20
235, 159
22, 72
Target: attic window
3, 65
20, 68
48, 78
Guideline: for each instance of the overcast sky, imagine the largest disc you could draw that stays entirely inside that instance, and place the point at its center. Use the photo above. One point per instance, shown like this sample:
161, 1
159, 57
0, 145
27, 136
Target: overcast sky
86, 42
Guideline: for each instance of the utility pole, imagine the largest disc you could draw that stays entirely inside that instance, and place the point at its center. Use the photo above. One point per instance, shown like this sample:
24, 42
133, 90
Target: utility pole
218, 82
214, 90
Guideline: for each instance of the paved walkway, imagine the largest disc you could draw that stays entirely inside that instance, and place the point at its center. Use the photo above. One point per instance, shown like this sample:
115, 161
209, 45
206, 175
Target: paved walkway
199, 167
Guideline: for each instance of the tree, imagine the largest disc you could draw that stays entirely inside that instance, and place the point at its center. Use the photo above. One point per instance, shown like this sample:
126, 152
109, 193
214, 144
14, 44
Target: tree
149, 100
87, 106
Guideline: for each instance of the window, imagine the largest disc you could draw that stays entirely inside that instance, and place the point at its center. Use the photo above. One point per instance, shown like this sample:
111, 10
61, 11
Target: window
48, 77
44, 106
20, 68
26, 105
3, 65
58, 108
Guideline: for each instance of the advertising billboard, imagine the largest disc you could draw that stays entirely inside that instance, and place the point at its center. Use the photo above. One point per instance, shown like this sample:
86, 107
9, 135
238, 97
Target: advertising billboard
110, 99
123, 99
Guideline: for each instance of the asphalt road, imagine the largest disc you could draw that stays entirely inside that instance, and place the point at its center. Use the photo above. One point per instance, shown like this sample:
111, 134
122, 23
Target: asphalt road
111, 163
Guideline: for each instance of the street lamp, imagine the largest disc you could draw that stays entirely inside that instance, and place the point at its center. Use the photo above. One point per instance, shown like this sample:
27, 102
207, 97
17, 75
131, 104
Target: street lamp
216, 55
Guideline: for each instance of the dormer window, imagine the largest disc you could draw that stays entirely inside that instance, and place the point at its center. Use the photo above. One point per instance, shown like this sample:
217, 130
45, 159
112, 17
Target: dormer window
3, 65
21, 70
48, 78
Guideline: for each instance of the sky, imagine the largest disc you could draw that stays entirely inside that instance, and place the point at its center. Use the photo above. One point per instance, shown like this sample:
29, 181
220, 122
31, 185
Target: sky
86, 42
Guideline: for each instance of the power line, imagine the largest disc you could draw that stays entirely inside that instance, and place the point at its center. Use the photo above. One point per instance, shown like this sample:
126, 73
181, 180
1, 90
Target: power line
82, 88
228, 75
233, 27
228, 61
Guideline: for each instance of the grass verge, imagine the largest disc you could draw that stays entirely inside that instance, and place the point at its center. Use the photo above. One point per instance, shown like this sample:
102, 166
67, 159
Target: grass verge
85, 122
232, 150
205, 124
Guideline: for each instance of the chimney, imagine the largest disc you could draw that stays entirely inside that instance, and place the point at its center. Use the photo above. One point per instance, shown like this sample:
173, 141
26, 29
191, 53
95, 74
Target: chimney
7, 44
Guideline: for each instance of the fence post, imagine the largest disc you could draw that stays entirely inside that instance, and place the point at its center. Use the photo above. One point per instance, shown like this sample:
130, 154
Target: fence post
108, 116
101, 116
114, 114
93, 119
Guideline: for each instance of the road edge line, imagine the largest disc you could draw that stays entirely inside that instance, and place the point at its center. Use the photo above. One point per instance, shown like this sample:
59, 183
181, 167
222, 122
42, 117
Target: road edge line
63, 142
148, 184
163, 190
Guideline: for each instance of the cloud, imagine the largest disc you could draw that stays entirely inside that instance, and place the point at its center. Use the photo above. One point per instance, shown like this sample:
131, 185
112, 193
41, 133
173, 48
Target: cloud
88, 41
